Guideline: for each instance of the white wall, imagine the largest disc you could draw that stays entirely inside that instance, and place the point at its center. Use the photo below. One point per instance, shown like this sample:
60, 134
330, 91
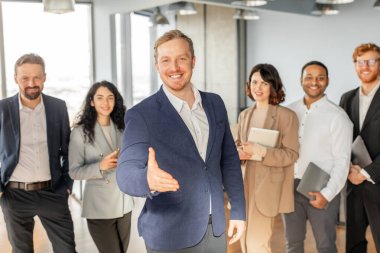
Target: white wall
288, 41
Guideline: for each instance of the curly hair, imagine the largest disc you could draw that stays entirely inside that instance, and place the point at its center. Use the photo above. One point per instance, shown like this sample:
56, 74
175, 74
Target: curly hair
88, 115
270, 75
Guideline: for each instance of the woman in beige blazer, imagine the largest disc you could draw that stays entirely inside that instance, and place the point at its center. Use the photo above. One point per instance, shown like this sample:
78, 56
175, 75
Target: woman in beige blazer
93, 151
268, 171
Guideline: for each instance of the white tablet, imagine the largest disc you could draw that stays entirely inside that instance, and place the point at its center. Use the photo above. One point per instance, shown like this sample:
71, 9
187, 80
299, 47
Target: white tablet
262, 136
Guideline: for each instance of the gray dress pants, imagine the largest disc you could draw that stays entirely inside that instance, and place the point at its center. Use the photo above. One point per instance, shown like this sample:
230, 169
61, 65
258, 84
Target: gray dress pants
323, 223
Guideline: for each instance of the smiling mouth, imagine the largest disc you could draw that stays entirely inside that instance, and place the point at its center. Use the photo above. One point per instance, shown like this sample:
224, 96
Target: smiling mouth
176, 76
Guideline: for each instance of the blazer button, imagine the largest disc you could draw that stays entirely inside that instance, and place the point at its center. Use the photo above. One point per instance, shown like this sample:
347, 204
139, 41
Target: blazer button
205, 167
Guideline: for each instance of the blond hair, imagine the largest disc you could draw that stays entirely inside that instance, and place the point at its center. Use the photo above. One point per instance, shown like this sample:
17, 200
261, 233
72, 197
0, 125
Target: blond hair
171, 35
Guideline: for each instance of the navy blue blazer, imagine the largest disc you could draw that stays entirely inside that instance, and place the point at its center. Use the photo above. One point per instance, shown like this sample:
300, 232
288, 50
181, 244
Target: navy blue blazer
58, 136
176, 220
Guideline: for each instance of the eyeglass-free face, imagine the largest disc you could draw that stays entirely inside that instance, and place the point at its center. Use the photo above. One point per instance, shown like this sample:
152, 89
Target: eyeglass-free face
367, 67
314, 82
260, 90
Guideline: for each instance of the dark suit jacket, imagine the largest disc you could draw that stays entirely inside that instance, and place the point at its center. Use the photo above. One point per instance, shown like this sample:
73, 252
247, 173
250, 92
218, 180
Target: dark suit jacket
179, 219
371, 135
58, 135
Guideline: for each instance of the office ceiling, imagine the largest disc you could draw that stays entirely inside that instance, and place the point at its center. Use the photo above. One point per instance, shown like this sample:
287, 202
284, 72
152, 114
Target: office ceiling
292, 6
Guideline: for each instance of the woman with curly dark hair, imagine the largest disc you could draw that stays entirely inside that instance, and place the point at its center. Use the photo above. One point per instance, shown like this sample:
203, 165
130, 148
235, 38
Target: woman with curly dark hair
93, 153
268, 177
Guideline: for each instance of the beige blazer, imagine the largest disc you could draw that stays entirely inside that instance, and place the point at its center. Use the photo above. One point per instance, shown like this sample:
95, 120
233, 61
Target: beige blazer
102, 198
274, 177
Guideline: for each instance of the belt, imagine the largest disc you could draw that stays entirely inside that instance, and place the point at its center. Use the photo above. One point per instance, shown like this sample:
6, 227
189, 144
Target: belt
29, 186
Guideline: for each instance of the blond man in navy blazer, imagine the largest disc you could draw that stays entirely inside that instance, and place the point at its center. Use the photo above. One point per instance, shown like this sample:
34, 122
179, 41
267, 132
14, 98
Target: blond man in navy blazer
34, 138
192, 159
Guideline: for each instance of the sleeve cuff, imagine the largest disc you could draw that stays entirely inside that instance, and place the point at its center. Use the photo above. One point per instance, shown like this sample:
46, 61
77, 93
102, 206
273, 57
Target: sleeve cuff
327, 194
367, 176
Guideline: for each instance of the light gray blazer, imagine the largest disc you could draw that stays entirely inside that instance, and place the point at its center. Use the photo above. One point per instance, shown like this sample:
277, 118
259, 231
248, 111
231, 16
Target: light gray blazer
102, 198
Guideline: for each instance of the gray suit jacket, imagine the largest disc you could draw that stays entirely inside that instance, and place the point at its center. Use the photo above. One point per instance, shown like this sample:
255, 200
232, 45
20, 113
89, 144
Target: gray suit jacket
102, 198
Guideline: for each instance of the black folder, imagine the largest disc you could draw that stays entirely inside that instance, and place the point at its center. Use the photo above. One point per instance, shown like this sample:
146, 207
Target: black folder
359, 153
314, 180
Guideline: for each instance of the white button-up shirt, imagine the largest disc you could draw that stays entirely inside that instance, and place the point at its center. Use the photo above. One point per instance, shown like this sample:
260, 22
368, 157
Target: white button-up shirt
33, 164
195, 119
325, 136
365, 102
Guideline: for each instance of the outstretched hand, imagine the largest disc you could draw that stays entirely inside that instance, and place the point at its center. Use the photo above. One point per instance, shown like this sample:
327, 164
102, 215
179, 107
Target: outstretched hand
158, 179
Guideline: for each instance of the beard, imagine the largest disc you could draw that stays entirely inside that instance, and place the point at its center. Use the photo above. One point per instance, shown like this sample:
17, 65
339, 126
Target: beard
32, 93
369, 78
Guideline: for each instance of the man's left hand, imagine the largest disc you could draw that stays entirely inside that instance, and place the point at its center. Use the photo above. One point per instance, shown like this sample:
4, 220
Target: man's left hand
239, 225
355, 176
320, 202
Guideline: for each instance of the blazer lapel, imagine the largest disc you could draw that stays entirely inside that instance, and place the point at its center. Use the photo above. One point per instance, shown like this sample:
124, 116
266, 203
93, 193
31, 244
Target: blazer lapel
373, 108
100, 141
171, 115
114, 136
209, 110
355, 111
271, 117
50, 121
14, 112
247, 124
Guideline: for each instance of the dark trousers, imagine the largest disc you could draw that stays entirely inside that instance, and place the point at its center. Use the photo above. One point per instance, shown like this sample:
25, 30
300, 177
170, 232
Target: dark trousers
361, 212
19, 208
208, 244
111, 235
322, 221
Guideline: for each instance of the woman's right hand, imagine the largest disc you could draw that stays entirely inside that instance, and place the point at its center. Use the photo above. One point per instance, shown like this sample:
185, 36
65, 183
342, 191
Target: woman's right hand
242, 154
109, 162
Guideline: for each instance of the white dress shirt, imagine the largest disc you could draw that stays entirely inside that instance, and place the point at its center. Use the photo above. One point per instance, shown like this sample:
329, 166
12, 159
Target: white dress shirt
364, 103
33, 164
195, 119
325, 136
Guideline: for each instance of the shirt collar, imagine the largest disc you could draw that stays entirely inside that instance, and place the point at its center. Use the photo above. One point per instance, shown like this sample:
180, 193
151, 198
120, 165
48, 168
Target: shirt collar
38, 108
372, 93
318, 103
179, 103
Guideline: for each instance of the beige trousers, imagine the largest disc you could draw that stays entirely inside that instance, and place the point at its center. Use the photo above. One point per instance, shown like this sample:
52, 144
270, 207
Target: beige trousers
258, 234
